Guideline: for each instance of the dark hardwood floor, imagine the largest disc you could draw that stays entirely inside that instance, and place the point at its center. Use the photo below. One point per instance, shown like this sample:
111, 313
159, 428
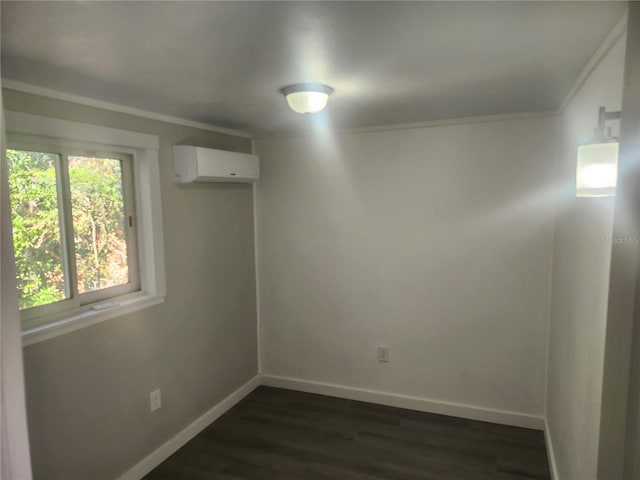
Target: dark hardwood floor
280, 434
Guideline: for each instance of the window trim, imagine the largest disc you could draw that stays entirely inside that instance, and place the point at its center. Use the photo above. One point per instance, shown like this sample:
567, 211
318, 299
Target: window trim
23, 128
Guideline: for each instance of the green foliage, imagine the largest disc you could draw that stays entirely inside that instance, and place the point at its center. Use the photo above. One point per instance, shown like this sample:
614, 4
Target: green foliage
98, 222
36, 231
98, 225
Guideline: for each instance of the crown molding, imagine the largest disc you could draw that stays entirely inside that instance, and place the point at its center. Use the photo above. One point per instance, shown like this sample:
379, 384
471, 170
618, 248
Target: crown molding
451, 121
91, 102
614, 35
503, 117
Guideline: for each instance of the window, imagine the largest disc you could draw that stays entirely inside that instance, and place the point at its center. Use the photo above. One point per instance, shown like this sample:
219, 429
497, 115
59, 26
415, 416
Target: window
87, 222
73, 227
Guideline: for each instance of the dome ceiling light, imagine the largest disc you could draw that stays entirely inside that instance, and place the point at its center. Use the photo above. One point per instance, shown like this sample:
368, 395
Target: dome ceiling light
307, 97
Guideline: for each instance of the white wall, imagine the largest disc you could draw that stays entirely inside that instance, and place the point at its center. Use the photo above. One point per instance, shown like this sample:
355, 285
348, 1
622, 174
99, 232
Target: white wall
433, 241
582, 255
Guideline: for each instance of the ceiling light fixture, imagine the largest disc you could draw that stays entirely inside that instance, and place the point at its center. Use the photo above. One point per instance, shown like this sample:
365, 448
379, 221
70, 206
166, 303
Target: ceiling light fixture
597, 170
307, 97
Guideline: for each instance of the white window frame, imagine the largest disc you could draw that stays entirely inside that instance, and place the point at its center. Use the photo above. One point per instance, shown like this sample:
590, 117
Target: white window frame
43, 314
23, 128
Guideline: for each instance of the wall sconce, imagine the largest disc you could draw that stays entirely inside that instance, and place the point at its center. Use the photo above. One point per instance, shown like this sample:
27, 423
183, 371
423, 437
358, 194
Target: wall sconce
597, 170
307, 97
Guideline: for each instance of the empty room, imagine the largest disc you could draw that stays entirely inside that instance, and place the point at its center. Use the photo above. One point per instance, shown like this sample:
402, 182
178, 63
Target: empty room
358, 240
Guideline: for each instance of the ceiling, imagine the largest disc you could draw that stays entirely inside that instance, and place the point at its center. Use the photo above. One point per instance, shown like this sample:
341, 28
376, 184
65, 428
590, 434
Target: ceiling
390, 62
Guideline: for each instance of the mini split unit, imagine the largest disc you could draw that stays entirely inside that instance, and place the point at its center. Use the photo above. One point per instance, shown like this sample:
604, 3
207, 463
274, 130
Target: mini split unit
199, 164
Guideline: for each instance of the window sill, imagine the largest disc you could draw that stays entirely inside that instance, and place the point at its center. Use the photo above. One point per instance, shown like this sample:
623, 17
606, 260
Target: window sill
106, 310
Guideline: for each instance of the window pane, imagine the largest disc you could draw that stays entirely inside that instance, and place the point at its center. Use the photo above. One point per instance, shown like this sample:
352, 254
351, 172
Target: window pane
37, 238
97, 204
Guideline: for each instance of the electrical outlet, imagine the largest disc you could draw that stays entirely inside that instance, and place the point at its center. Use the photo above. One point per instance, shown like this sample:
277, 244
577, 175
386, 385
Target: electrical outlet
155, 400
383, 354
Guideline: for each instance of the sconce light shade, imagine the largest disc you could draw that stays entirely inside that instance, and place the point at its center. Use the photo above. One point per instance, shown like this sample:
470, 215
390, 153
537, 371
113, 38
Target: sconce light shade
307, 97
597, 170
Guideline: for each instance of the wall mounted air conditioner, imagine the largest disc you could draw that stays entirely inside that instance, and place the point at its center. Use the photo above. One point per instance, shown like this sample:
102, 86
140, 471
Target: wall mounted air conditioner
198, 164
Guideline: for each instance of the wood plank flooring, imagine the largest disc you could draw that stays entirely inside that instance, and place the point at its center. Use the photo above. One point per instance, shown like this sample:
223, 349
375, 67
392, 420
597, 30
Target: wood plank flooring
280, 434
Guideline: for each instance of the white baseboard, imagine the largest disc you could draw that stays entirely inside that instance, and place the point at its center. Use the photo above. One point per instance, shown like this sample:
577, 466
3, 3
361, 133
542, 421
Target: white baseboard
550, 452
159, 455
412, 403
